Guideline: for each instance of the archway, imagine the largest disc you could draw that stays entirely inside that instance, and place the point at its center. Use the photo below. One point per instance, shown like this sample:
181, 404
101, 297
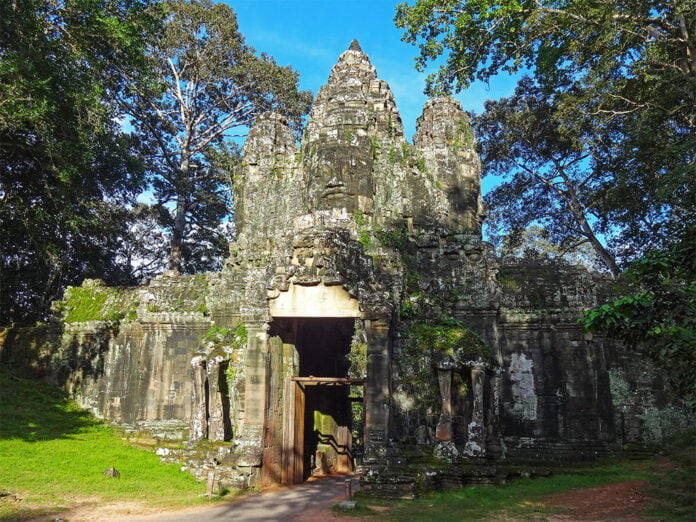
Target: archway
318, 422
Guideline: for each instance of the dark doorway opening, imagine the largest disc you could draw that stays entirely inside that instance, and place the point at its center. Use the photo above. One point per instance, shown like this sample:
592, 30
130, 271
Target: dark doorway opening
318, 403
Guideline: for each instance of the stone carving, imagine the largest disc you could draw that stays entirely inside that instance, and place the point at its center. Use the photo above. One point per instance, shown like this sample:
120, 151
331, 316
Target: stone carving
354, 224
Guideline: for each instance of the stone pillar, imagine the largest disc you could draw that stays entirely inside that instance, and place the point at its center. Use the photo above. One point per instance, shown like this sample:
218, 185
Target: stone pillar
444, 446
377, 388
216, 422
250, 442
494, 442
444, 425
476, 445
199, 421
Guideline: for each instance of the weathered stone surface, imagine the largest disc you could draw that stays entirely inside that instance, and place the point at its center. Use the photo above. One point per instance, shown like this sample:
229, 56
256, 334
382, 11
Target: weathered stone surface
355, 238
111, 473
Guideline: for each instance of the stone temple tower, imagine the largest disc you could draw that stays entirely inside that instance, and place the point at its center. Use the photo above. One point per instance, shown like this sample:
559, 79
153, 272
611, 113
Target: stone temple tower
360, 323
342, 243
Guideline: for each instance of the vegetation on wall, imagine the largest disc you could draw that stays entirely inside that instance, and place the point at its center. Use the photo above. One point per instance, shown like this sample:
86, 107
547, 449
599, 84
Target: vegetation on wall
659, 317
424, 344
234, 338
95, 302
451, 339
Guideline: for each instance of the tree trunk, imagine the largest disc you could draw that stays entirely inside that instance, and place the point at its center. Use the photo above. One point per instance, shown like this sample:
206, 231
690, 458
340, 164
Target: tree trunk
577, 209
176, 250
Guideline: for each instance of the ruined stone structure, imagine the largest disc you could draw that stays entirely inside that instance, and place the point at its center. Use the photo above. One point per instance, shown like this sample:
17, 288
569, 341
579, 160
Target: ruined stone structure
360, 320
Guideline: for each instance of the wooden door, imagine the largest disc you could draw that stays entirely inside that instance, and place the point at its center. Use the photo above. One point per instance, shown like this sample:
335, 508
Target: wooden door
293, 433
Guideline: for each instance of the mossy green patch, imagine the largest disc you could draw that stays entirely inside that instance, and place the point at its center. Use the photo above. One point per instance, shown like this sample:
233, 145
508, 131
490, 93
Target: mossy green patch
449, 339
235, 338
98, 303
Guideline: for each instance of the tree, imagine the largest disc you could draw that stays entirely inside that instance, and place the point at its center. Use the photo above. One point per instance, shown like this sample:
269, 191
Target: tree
624, 72
209, 86
619, 79
659, 315
548, 171
536, 242
66, 168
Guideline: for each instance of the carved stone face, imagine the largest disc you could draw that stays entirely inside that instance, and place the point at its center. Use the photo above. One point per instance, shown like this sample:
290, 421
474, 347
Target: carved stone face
341, 177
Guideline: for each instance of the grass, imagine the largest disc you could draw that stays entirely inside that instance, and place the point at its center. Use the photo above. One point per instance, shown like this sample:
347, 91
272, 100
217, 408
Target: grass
521, 499
671, 492
674, 486
54, 453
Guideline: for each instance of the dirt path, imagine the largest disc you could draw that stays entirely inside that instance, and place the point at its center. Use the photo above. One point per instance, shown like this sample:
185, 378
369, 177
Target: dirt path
312, 502
623, 501
307, 502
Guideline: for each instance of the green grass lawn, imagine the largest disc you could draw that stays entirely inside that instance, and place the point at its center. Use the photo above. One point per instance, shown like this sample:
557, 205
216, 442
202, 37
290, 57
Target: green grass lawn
671, 488
52, 455
519, 499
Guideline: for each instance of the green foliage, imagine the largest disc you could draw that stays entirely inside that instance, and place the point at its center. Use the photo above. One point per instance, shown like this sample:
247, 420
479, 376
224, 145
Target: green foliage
424, 344
357, 356
365, 238
602, 142
549, 182
53, 454
63, 157
208, 84
394, 237
448, 339
660, 318
392, 156
465, 138
359, 218
235, 338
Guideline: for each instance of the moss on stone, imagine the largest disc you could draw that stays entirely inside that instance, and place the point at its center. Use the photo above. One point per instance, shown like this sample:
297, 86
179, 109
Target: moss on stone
421, 166
394, 237
235, 338
448, 339
94, 302
465, 136
365, 238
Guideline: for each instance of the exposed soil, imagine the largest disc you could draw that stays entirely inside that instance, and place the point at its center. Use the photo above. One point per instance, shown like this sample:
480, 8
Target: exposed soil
623, 501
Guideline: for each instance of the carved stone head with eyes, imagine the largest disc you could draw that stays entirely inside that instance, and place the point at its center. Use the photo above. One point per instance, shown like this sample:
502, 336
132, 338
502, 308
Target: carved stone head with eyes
340, 176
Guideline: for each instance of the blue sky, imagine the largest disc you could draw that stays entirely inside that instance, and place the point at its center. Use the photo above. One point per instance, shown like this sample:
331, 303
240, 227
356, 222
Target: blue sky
309, 35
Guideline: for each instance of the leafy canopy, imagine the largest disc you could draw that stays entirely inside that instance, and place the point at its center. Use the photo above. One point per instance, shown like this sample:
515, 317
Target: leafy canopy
66, 168
207, 86
623, 73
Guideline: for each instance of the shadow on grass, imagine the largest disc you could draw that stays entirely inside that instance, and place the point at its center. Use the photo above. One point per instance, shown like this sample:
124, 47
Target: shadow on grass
672, 489
34, 411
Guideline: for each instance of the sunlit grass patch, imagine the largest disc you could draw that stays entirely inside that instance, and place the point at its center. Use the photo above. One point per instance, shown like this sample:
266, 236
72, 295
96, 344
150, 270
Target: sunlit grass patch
54, 453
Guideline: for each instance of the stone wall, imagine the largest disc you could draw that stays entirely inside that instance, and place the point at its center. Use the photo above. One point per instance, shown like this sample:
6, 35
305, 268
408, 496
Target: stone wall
471, 361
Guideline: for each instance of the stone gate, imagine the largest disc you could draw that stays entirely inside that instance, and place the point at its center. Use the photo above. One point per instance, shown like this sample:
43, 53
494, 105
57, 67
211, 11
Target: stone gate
360, 322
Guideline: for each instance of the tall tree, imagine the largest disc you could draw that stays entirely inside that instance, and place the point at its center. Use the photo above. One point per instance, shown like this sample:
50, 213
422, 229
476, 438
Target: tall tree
623, 70
65, 166
210, 87
548, 171
620, 82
